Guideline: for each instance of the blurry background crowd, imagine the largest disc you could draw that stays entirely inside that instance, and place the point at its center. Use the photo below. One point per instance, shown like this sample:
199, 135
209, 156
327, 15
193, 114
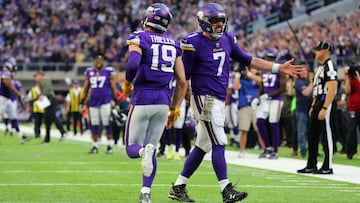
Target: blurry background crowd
71, 31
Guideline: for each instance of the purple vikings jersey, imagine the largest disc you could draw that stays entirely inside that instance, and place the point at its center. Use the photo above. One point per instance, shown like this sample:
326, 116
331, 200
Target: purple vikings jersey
152, 84
271, 82
207, 62
99, 82
4, 91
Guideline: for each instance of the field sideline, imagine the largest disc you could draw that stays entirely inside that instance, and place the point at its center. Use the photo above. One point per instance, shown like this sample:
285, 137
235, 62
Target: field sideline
63, 172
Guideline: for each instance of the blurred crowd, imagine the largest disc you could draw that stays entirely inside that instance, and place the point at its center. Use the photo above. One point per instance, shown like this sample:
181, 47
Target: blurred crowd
76, 31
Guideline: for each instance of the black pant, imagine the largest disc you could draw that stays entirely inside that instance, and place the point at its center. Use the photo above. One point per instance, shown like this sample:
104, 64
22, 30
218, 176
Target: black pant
287, 124
38, 119
50, 117
351, 139
320, 130
76, 118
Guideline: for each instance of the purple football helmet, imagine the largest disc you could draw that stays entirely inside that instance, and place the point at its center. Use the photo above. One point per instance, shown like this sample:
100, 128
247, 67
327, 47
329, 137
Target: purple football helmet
10, 65
157, 16
211, 12
271, 53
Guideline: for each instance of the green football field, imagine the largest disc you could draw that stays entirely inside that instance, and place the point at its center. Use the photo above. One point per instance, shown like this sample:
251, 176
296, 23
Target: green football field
64, 172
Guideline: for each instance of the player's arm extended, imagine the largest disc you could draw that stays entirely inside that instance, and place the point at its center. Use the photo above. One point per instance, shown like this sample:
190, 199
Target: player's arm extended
285, 68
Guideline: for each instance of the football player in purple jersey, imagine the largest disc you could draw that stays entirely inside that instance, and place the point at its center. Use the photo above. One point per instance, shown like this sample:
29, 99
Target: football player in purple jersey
8, 94
154, 60
270, 96
101, 81
206, 58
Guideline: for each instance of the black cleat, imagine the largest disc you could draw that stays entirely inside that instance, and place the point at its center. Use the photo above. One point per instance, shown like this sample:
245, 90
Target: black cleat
323, 171
307, 170
230, 195
109, 150
234, 143
179, 193
93, 150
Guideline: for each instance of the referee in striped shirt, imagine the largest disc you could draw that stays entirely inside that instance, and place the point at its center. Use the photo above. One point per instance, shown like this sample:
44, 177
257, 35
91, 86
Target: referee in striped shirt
322, 108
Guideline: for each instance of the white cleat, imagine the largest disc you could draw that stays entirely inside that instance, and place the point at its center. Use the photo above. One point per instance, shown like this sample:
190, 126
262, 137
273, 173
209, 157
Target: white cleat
147, 164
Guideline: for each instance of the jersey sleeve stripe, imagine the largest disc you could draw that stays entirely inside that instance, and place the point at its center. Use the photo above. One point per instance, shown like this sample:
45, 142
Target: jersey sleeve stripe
188, 47
135, 41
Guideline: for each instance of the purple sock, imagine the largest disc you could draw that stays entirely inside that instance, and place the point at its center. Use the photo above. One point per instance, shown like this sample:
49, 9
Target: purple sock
133, 150
15, 125
193, 161
236, 130
275, 132
95, 130
108, 130
169, 136
178, 139
147, 181
219, 162
263, 131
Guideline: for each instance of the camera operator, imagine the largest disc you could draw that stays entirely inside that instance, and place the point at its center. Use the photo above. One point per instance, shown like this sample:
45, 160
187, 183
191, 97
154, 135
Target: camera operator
352, 88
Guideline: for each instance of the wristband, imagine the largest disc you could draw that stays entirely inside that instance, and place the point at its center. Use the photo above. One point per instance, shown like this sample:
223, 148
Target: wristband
275, 68
324, 107
237, 75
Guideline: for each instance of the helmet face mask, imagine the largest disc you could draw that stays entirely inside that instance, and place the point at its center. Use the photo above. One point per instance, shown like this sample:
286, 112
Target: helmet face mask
10, 66
209, 18
157, 16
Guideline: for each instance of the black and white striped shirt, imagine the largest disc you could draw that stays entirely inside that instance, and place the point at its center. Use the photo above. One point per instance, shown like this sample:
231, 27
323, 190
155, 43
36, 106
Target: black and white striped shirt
325, 72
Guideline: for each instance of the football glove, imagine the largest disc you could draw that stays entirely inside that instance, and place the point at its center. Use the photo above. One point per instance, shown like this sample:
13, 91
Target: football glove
174, 114
254, 103
127, 88
264, 97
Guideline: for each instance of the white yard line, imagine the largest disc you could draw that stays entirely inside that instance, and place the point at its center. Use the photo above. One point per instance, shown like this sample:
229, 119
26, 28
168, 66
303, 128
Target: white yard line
347, 189
344, 173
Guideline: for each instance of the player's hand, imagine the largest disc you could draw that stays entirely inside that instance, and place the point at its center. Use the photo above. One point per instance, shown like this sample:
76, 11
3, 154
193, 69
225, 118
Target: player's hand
127, 88
254, 103
293, 70
174, 114
264, 97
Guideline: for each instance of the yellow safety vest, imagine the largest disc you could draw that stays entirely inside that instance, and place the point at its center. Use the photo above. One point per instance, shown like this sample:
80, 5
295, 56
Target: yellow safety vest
75, 100
34, 94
